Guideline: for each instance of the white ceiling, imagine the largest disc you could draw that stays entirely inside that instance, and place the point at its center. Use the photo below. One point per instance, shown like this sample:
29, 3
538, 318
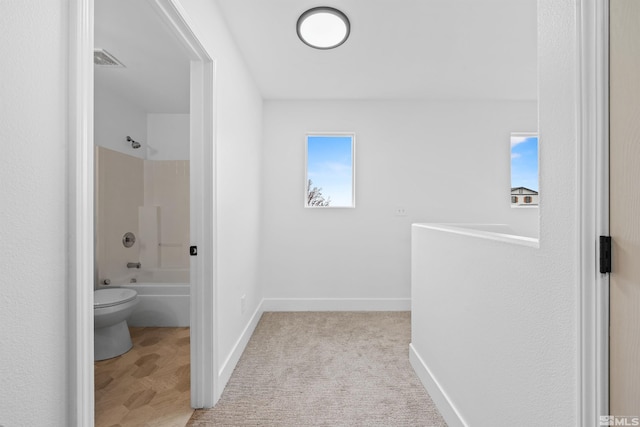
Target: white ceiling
398, 49
156, 77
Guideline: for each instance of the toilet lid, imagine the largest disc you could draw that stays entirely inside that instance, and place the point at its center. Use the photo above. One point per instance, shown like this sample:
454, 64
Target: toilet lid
114, 296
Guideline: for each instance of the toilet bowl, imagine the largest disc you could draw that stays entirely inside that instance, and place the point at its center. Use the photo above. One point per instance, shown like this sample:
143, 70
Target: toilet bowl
111, 309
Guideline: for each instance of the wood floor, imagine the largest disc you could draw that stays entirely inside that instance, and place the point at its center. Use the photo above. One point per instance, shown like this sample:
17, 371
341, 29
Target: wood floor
149, 385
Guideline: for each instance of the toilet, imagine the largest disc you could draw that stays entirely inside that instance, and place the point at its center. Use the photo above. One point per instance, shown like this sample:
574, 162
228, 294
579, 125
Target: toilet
111, 309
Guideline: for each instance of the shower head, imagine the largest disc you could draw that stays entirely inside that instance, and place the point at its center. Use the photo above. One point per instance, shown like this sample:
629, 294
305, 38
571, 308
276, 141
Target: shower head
134, 144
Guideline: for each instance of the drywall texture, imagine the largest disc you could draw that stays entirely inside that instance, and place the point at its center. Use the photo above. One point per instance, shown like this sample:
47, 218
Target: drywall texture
238, 148
483, 330
439, 161
161, 136
115, 118
33, 213
167, 136
499, 334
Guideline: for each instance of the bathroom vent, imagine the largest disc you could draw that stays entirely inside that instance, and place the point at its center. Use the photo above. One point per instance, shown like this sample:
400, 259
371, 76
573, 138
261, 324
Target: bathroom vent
102, 58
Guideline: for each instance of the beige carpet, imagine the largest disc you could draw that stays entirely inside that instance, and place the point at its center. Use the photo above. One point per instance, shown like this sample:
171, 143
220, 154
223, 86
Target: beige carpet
325, 369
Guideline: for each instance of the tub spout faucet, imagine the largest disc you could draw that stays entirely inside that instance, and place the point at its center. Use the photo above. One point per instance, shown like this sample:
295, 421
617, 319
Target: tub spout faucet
134, 265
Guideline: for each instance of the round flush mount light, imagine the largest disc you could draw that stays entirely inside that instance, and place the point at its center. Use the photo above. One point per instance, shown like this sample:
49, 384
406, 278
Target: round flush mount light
323, 27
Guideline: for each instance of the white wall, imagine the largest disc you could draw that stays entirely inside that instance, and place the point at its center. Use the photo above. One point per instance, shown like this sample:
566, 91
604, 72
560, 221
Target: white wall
162, 136
167, 136
440, 161
33, 213
239, 136
505, 348
114, 119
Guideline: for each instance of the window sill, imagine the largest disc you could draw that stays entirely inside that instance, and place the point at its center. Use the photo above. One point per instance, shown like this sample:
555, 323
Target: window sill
524, 207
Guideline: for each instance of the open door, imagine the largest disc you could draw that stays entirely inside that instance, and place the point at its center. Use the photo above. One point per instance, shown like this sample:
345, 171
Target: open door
624, 352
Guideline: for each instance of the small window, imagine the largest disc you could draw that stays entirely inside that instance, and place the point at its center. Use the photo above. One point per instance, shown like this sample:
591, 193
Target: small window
524, 167
330, 168
514, 199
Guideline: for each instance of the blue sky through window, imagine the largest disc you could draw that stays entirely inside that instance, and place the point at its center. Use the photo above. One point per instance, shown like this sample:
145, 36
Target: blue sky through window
524, 161
330, 167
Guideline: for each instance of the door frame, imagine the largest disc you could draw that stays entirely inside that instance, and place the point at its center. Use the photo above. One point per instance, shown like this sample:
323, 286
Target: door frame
592, 210
80, 245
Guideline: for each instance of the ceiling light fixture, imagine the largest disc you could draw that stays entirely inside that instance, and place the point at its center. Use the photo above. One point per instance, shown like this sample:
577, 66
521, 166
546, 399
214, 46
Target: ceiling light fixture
323, 28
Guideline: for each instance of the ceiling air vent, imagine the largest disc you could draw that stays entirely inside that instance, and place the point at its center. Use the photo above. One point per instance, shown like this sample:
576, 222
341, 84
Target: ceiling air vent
102, 58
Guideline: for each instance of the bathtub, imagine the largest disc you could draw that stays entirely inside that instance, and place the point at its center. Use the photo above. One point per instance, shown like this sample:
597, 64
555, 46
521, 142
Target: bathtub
159, 275
163, 295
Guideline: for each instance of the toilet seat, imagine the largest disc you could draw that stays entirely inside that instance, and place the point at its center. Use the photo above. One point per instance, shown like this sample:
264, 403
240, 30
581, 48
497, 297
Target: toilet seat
109, 297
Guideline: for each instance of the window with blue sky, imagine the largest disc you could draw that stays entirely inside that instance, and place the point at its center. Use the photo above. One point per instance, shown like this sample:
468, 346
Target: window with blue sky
330, 170
524, 161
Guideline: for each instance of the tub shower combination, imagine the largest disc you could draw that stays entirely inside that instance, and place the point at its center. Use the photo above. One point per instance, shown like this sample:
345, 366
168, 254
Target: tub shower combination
142, 238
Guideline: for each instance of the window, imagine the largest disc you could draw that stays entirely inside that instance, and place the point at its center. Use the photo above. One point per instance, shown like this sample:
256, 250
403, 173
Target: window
330, 171
524, 168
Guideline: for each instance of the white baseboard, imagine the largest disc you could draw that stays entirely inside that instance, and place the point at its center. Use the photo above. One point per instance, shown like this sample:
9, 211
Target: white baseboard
444, 404
336, 304
232, 360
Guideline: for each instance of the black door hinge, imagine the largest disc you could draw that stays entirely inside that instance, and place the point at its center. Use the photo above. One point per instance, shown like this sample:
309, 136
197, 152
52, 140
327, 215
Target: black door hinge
193, 250
605, 254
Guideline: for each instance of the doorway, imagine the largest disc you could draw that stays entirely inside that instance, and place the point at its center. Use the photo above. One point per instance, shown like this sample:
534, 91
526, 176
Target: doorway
202, 207
142, 190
